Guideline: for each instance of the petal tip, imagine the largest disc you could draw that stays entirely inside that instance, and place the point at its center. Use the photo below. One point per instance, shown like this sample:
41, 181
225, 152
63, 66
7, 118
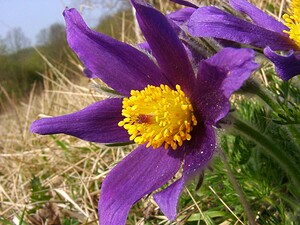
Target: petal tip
35, 128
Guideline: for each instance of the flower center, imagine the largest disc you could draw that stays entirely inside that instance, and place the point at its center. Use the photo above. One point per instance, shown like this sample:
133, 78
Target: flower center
292, 21
158, 115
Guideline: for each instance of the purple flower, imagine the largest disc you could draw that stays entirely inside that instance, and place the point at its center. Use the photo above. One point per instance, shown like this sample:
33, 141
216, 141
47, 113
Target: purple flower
166, 106
262, 32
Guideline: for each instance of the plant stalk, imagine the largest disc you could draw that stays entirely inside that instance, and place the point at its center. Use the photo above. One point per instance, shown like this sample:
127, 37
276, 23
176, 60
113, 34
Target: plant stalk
268, 148
249, 213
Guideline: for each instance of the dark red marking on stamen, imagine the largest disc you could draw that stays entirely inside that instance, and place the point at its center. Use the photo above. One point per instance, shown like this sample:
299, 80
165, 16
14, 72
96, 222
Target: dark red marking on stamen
142, 118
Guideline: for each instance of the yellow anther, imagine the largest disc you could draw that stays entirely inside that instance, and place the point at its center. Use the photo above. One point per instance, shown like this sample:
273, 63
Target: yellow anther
292, 21
158, 116
184, 107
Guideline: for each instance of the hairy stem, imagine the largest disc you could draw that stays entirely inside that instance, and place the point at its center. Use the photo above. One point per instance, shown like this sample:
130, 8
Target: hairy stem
238, 190
268, 147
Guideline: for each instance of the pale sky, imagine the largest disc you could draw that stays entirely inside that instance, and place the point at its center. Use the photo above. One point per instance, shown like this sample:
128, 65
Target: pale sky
35, 15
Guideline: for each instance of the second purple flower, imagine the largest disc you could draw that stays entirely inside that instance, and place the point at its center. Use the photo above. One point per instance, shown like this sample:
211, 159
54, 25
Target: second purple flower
263, 31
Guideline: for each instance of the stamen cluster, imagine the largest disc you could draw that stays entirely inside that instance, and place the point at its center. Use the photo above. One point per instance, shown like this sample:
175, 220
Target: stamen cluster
292, 21
158, 115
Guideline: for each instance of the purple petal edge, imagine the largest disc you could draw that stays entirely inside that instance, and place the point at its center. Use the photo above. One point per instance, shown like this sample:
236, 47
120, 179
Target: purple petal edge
167, 199
97, 123
286, 66
258, 16
238, 64
166, 46
119, 65
185, 3
218, 77
213, 22
181, 16
199, 153
141, 172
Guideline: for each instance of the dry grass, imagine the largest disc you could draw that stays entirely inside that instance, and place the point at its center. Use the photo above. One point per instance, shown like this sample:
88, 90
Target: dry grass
66, 166
69, 170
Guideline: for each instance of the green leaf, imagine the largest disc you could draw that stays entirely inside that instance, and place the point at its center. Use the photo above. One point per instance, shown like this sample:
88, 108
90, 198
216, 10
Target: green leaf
39, 194
120, 144
207, 214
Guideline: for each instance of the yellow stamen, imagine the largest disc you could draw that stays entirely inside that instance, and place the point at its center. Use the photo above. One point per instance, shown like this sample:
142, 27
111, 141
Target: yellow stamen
158, 116
292, 21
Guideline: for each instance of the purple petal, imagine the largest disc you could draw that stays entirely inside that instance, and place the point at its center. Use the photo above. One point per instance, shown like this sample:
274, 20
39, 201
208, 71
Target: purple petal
97, 123
208, 98
259, 17
167, 199
238, 65
176, 19
140, 173
213, 22
287, 66
121, 66
166, 46
218, 77
89, 73
181, 16
185, 3
145, 46
198, 154
199, 151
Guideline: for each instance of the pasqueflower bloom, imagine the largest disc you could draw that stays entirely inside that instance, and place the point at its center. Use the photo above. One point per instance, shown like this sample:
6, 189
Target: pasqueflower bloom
263, 32
165, 107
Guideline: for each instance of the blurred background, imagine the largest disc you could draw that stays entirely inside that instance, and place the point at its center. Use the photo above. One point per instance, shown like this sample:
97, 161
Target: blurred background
28, 26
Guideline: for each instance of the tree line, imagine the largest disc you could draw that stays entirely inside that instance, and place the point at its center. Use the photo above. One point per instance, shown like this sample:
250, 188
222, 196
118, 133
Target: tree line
21, 65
